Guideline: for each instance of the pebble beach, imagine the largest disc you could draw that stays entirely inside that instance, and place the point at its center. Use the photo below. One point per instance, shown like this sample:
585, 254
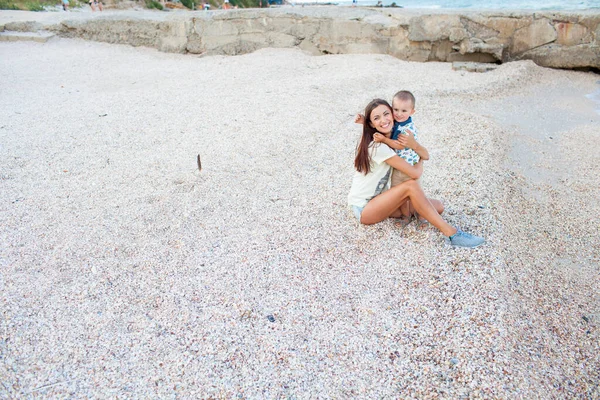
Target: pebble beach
128, 272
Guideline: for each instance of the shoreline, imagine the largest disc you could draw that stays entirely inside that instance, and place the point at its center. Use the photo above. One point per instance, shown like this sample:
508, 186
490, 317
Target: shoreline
127, 271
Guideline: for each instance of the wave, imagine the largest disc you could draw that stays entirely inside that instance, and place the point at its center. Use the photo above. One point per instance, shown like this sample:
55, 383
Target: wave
474, 4
595, 97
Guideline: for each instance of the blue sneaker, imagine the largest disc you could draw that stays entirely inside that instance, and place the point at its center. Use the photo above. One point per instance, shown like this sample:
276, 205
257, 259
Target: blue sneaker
464, 239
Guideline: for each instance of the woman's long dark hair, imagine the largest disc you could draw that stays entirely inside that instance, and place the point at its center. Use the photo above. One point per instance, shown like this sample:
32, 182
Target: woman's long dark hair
362, 162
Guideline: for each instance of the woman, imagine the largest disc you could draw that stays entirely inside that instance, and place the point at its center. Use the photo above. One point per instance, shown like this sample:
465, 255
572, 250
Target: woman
368, 197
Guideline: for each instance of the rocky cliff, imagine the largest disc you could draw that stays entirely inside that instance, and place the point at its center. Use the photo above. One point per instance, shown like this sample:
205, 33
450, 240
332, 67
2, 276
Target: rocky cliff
552, 39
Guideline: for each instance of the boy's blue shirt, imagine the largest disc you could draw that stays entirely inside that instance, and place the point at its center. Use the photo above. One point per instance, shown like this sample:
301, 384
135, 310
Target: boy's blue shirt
406, 153
397, 125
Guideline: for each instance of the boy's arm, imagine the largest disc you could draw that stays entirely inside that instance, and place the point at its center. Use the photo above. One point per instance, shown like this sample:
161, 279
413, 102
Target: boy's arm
359, 119
394, 144
409, 141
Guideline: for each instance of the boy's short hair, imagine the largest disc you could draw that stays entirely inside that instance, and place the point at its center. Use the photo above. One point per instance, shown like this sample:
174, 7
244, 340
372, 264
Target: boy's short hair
405, 95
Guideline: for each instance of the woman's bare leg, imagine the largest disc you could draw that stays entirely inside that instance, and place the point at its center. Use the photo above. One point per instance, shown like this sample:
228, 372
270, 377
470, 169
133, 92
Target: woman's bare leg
388, 203
403, 212
406, 211
422, 223
438, 205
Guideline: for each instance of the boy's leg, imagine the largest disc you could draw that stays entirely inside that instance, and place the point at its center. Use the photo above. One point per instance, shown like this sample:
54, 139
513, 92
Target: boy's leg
398, 177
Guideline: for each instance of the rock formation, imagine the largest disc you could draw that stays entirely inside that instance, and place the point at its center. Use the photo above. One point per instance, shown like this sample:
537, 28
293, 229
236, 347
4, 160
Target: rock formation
552, 39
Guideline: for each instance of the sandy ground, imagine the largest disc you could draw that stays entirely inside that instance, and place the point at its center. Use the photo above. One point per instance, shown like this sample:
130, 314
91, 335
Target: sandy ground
127, 272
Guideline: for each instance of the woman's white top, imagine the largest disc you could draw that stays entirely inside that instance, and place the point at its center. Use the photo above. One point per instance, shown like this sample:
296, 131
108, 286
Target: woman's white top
365, 187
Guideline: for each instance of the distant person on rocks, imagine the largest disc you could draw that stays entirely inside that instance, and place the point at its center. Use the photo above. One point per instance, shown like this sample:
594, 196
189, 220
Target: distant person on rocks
371, 198
65, 5
96, 3
403, 106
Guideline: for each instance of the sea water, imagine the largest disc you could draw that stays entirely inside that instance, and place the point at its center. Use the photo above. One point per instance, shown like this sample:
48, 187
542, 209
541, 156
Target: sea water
474, 4
595, 97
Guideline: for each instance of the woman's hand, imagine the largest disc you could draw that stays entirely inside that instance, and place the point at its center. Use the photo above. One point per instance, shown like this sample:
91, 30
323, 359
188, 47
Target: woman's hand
408, 140
378, 137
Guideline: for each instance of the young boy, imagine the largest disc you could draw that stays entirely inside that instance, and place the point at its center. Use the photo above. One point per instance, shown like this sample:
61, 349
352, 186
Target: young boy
403, 107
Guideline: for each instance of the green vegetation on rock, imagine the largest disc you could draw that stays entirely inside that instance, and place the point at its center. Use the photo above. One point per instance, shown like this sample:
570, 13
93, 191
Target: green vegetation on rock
8, 5
154, 4
35, 5
248, 3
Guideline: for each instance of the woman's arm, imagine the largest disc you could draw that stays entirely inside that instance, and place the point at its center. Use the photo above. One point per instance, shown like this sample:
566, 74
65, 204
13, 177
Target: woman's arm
401, 165
394, 144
